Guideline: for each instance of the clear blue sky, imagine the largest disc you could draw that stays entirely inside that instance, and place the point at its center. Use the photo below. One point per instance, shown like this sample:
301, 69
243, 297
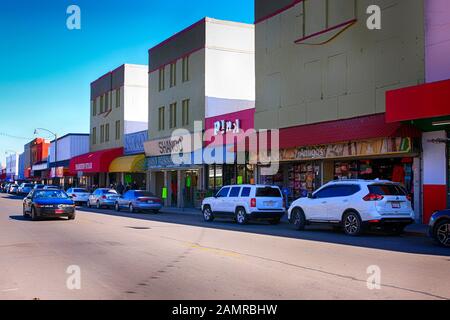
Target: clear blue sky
46, 69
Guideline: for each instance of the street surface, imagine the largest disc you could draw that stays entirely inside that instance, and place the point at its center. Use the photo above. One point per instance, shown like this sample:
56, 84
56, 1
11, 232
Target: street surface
178, 256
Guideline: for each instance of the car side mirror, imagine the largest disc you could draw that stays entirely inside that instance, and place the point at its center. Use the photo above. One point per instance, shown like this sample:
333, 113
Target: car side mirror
311, 196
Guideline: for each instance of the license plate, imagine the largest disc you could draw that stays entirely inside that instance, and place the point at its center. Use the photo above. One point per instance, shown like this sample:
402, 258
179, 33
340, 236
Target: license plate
396, 205
59, 211
269, 203
150, 202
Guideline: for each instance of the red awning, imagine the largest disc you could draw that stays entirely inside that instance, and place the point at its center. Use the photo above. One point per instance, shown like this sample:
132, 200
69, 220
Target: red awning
425, 101
361, 128
95, 162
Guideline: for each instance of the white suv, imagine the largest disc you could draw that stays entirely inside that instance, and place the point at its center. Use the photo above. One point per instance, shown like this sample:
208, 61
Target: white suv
355, 205
244, 203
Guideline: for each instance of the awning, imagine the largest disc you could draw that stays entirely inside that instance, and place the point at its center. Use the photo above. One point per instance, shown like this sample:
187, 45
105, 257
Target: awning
360, 128
431, 100
95, 162
134, 163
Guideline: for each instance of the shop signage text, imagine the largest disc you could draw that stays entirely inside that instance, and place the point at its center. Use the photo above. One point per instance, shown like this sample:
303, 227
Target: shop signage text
225, 126
83, 166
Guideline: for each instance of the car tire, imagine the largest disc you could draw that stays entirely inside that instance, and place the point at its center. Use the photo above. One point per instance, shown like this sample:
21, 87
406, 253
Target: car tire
131, 208
71, 217
117, 207
298, 219
352, 224
241, 216
274, 222
33, 214
88, 204
441, 233
98, 206
208, 215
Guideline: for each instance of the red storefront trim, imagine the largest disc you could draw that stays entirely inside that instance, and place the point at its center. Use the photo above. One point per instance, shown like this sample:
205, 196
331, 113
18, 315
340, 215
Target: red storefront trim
419, 102
94, 162
434, 199
360, 128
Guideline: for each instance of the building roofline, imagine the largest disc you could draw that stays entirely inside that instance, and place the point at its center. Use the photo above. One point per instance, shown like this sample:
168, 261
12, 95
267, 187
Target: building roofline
71, 134
279, 11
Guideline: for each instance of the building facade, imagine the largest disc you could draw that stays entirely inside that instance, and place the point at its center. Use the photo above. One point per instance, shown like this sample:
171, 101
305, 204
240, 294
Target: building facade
12, 167
39, 171
119, 106
61, 151
201, 72
322, 78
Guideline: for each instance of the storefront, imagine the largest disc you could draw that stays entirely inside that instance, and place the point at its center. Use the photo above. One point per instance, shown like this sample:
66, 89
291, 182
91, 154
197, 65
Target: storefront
60, 174
175, 170
427, 107
91, 169
129, 171
224, 133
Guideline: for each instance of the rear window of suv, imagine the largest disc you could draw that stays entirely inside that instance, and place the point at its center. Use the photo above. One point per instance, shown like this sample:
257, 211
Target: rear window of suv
386, 190
268, 192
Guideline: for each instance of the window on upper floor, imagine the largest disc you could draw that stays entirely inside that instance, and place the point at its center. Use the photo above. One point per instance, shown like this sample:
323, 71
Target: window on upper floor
118, 133
94, 107
185, 67
173, 115
118, 98
94, 136
185, 112
107, 132
161, 112
161, 79
173, 74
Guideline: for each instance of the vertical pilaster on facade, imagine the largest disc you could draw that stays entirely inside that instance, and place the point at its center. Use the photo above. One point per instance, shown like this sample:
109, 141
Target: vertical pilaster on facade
181, 188
168, 200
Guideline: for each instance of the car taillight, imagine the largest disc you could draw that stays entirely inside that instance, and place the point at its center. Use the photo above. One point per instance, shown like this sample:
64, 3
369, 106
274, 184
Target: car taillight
409, 197
253, 203
373, 197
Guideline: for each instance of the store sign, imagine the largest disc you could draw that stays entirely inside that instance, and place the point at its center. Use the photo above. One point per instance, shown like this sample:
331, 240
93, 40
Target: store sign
171, 145
225, 126
83, 166
134, 142
57, 172
386, 146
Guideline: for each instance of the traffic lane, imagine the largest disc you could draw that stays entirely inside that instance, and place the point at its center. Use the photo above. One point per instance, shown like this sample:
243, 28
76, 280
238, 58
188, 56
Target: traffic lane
133, 258
374, 240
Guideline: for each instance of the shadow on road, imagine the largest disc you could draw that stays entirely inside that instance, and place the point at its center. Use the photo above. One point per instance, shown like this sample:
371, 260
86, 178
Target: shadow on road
28, 219
406, 243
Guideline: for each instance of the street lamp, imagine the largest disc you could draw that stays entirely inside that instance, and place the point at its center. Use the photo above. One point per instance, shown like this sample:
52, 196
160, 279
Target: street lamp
56, 140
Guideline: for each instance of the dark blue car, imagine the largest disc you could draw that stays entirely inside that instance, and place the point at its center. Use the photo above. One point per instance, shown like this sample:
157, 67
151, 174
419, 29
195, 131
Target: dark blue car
439, 228
48, 204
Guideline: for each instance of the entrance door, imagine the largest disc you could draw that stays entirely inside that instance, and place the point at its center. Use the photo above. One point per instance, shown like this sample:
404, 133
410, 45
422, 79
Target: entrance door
174, 188
190, 188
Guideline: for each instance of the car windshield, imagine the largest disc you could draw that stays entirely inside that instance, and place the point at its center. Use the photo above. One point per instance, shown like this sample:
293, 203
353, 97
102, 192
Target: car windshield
28, 185
387, 190
80, 191
51, 194
268, 192
144, 194
109, 191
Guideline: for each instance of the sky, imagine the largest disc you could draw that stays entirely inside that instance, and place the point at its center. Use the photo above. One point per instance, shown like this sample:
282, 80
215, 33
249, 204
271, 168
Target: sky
46, 69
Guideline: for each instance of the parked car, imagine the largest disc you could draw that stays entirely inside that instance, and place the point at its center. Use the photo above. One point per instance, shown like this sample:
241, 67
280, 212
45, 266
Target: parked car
48, 204
103, 197
355, 205
25, 188
6, 188
138, 200
13, 189
3, 187
79, 195
244, 203
439, 227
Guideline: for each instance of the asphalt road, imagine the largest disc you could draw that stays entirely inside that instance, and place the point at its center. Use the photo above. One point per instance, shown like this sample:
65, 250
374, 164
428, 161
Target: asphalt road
178, 256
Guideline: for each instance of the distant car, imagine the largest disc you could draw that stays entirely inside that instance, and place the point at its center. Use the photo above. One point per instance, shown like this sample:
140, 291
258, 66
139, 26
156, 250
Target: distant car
38, 186
439, 227
103, 197
13, 189
6, 188
51, 188
355, 205
79, 195
137, 200
25, 188
48, 204
244, 203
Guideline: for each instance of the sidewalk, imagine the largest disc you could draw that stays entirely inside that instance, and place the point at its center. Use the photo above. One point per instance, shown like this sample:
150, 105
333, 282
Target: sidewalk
416, 229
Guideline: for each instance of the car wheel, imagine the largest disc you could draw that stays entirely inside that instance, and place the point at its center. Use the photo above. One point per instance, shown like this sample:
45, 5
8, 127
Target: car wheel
88, 204
131, 208
208, 214
274, 221
442, 233
117, 207
352, 224
33, 214
71, 217
241, 216
25, 214
298, 219
98, 205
